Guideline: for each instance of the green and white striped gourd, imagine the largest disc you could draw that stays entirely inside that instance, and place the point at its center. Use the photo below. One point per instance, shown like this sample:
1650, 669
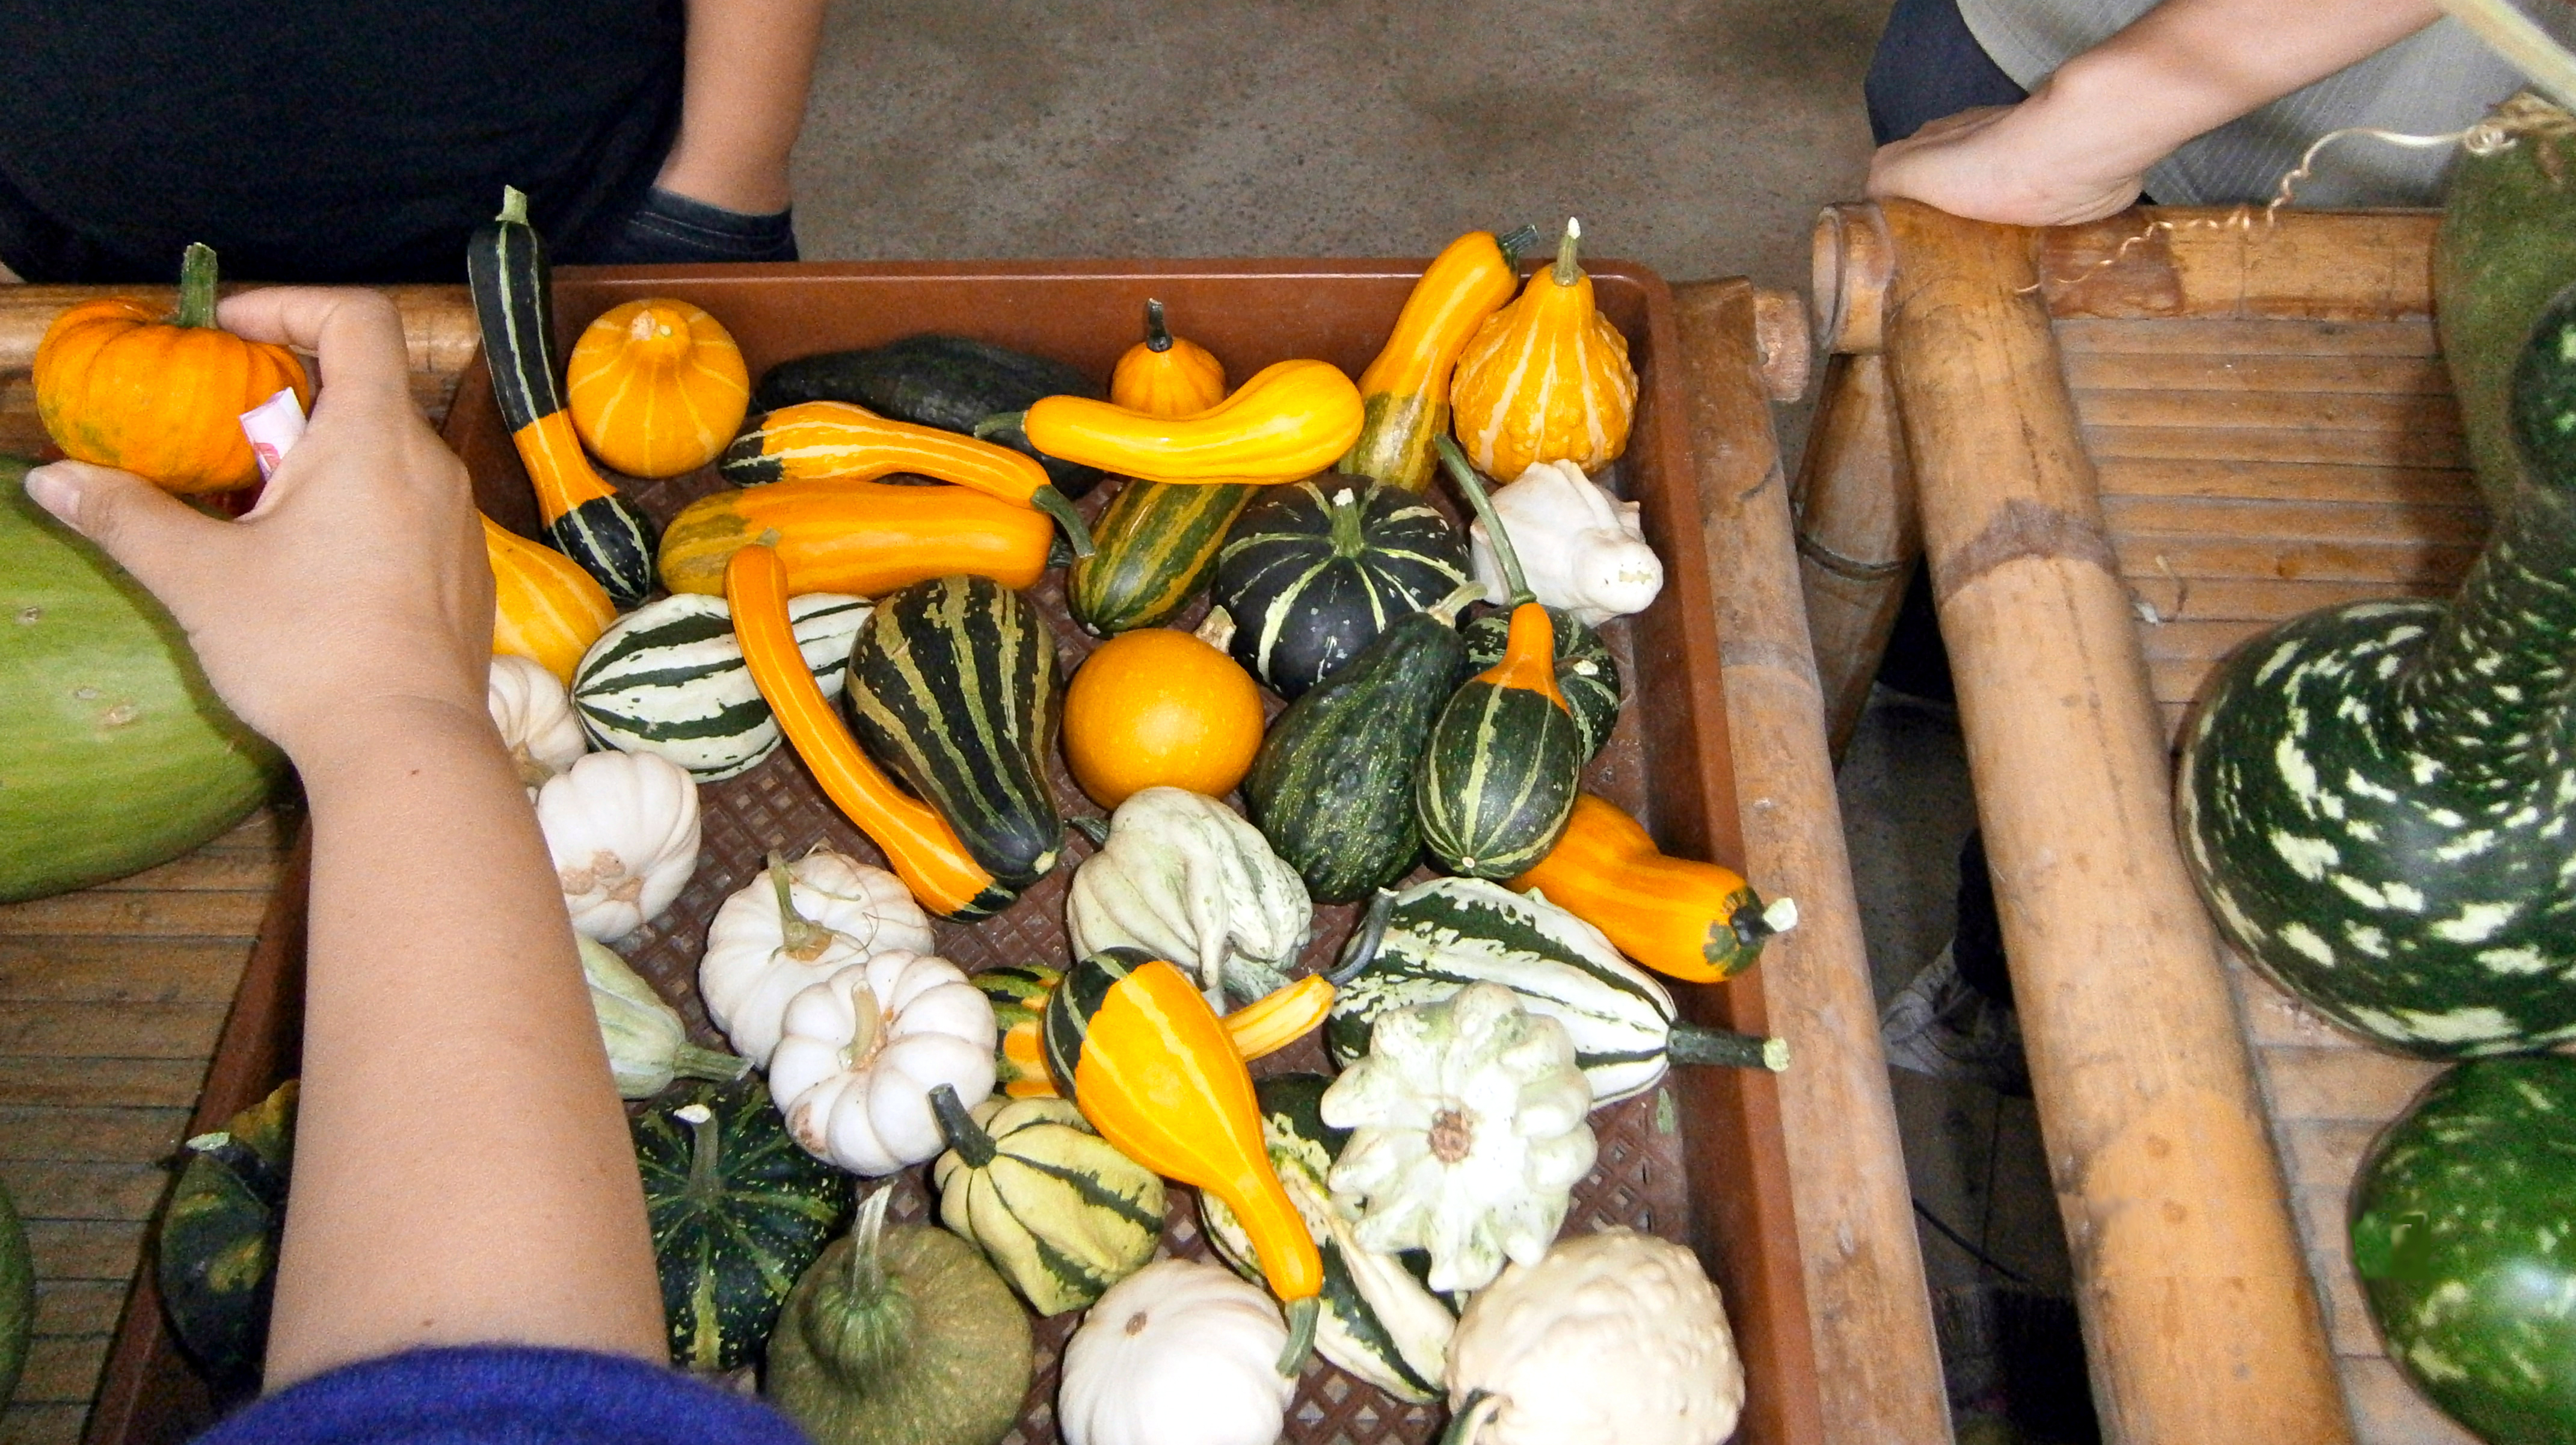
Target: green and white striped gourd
1504, 761
1055, 1207
1436, 937
1586, 674
1311, 573
2378, 801
668, 678
1379, 1321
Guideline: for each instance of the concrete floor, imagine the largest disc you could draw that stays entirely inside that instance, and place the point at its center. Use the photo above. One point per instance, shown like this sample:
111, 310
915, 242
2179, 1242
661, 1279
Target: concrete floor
1697, 138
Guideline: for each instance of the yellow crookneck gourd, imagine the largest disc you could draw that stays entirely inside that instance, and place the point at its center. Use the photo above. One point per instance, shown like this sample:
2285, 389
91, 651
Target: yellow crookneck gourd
1290, 421
1405, 391
1546, 379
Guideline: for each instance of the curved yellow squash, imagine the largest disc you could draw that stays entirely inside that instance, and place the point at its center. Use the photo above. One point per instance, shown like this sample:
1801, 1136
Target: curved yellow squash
1290, 421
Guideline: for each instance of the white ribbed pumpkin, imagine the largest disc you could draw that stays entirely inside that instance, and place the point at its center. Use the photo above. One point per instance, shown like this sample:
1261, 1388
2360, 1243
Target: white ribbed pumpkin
763, 950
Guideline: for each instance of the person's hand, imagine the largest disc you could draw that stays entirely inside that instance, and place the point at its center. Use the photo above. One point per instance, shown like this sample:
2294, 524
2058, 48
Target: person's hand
2003, 163
357, 591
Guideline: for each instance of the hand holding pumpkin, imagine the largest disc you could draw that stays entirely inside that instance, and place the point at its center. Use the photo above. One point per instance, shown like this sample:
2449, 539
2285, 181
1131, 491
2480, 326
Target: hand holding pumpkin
359, 579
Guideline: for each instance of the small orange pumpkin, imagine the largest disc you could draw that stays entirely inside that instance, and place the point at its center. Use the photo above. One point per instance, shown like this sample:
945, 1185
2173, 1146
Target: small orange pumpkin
1158, 707
656, 388
1546, 379
120, 384
1166, 375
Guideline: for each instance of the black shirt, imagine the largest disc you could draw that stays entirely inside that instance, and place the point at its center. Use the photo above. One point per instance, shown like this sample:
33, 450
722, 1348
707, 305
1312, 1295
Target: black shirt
321, 140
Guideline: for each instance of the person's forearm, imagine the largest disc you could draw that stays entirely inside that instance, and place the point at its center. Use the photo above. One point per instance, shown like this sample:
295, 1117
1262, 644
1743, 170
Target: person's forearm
742, 102
448, 1040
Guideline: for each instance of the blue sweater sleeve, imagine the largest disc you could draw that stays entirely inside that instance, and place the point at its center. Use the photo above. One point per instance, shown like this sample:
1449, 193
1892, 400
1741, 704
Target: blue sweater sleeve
504, 1395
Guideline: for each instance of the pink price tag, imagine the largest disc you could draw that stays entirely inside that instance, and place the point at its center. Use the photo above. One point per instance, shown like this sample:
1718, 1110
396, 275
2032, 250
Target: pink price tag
274, 427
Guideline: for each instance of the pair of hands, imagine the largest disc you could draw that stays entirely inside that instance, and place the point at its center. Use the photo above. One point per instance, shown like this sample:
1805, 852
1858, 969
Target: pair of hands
357, 592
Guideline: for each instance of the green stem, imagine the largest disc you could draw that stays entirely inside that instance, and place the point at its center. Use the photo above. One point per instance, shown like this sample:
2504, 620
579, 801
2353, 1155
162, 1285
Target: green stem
803, 938
705, 1144
264, 1181
1158, 337
1567, 273
998, 423
514, 207
1750, 923
1516, 243
1094, 829
959, 1128
1350, 512
1361, 950
1059, 506
867, 1262
1695, 1044
197, 285
1507, 558
1302, 1317
715, 1066
1471, 1418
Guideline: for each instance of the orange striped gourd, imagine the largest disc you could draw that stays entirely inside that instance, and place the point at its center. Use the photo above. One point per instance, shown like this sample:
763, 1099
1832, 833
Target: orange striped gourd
656, 387
544, 608
1546, 379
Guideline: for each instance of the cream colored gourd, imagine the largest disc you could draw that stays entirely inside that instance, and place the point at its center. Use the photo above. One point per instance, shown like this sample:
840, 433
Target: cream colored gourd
1580, 548
792, 927
859, 1052
648, 1045
1616, 1338
534, 713
1467, 1134
623, 830
1181, 1352
1186, 879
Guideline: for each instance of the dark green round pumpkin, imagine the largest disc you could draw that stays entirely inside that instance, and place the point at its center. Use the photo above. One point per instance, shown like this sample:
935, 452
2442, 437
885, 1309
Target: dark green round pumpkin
1585, 671
738, 1211
1313, 571
217, 1257
2462, 1238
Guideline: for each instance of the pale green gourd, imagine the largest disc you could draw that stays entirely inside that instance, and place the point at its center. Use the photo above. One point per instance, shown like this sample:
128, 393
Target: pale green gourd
900, 1335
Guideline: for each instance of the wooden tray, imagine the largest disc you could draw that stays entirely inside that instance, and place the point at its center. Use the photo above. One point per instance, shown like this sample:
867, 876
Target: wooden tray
1719, 1178
2134, 445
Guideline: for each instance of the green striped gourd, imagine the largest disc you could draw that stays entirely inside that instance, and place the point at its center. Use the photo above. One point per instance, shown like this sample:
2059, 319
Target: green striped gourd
1313, 571
668, 678
1018, 992
737, 1210
1435, 938
216, 1255
953, 687
1153, 550
1504, 761
2460, 1237
1587, 676
1056, 1208
1380, 1322
2376, 800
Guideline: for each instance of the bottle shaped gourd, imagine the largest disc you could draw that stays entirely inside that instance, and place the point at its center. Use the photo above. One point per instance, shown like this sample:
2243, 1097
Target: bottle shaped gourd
1546, 379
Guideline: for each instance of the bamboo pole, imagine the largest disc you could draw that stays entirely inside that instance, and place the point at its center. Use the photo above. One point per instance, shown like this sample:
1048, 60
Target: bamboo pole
1858, 538
1877, 1364
2199, 1315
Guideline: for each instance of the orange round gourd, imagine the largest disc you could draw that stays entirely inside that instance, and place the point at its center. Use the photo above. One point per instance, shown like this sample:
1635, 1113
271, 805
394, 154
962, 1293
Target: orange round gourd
123, 385
1164, 374
656, 388
1545, 379
1159, 708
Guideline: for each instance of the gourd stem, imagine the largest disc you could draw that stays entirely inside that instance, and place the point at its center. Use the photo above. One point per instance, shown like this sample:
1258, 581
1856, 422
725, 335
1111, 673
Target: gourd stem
867, 1266
1158, 337
1059, 506
1302, 1317
1695, 1044
998, 423
1507, 558
802, 937
1481, 1407
514, 207
1361, 950
1448, 608
1350, 514
197, 285
1515, 243
1567, 273
959, 1128
689, 1061
1749, 924
1096, 830
706, 1141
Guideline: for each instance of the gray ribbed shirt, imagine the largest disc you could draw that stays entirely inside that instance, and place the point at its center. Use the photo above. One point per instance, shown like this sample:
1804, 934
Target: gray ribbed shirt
2440, 79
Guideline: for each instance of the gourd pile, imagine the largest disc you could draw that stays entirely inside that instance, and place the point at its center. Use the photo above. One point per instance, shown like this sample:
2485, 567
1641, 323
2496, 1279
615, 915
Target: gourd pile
884, 629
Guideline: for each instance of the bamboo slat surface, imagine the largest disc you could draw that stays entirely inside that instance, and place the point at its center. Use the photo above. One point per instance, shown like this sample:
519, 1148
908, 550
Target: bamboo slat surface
110, 1001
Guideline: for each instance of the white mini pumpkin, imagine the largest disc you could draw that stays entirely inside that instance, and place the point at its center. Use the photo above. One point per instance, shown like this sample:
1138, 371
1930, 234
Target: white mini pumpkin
534, 713
1182, 1352
859, 1052
792, 927
1186, 879
623, 829
1580, 548
1616, 1338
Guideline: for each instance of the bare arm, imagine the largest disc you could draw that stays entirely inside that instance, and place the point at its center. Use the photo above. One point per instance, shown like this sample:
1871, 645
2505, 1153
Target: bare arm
750, 63
462, 1169
2078, 149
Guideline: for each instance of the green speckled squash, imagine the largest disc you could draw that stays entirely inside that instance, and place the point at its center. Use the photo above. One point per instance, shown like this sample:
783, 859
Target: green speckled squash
2378, 801
738, 1211
2507, 244
216, 1259
2462, 1239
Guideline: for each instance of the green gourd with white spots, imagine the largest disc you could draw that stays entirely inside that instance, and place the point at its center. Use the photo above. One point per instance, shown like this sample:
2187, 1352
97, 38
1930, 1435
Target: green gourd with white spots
2465, 1251
2378, 801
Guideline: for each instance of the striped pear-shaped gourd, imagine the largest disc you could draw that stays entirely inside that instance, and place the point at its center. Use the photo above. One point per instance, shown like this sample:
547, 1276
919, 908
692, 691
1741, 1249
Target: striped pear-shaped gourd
1505, 760
668, 678
1545, 379
1313, 571
953, 687
1056, 1208
1587, 675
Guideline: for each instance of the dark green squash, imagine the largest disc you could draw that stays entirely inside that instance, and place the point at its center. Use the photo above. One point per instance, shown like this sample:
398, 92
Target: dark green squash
953, 687
1504, 762
1332, 786
586, 517
1153, 550
738, 1211
216, 1258
2378, 801
950, 382
2461, 1237
1313, 571
1586, 674
2507, 244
